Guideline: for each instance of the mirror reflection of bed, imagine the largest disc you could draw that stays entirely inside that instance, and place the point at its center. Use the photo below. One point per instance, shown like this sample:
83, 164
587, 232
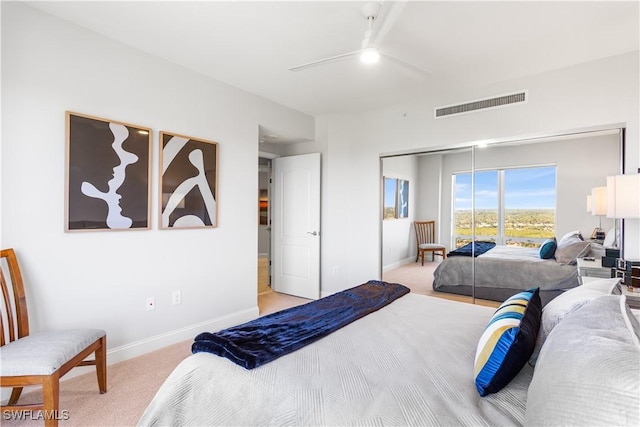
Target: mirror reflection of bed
526, 192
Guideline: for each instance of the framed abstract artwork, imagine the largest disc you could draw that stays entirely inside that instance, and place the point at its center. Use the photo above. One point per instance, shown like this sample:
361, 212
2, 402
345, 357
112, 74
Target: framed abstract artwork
188, 182
108, 170
403, 199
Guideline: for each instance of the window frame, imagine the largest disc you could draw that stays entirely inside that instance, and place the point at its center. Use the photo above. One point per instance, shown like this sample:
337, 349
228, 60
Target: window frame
500, 238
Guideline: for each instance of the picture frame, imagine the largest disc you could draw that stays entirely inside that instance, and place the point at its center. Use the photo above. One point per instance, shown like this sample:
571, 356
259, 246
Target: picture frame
188, 182
107, 174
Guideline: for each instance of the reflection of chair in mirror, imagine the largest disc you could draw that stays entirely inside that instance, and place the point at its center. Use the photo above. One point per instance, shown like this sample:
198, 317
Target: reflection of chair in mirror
425, 240
43, 357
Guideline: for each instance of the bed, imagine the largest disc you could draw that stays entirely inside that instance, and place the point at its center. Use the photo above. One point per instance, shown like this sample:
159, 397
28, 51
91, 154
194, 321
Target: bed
408, 363
503, 270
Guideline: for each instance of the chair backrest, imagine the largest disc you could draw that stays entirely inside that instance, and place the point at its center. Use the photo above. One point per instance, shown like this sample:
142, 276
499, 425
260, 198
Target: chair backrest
425, 231
14, 318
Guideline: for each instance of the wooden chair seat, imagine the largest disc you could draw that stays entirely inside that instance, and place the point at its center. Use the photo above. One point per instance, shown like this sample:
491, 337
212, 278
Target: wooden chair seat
431, 246
45, 352
43, 357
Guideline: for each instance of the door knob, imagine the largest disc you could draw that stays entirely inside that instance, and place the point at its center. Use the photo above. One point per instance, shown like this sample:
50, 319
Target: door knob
313, 233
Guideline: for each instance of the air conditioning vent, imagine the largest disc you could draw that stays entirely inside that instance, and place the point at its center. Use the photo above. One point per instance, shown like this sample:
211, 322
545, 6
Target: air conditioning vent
483, 104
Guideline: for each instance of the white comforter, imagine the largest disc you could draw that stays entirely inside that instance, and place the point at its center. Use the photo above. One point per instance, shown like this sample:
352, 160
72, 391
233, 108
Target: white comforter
410, 363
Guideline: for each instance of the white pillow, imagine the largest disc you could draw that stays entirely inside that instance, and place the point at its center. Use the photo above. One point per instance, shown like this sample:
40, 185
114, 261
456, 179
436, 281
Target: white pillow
608, 286
566, 303
569, 252
610, 238
570, 237
571, 300
588, 372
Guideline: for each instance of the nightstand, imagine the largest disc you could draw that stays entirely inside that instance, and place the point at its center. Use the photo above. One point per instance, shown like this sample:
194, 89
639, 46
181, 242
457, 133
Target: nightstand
592, 269
633, 298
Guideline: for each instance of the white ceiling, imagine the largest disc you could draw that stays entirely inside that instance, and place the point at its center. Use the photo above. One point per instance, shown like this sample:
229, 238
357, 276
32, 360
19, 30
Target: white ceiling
251, 45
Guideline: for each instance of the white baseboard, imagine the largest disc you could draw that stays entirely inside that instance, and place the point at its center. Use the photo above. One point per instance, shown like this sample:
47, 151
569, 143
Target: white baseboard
147, 345
397, 264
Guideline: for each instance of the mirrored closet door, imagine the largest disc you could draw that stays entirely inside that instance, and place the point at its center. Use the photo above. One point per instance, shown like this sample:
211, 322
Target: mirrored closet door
510, 194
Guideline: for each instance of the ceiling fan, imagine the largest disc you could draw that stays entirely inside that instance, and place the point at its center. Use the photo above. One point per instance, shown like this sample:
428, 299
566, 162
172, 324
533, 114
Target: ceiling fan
369, 52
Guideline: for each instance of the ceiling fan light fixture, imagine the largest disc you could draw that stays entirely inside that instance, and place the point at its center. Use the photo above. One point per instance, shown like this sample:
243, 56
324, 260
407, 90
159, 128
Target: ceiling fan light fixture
370, 55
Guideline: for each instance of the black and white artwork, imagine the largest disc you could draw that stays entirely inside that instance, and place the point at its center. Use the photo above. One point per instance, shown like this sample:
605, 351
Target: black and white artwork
188, 182
108, 171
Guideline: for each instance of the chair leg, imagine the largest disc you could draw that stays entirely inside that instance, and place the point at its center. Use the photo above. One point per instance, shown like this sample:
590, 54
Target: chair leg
51, 399
15, 395
422, 253
101, 365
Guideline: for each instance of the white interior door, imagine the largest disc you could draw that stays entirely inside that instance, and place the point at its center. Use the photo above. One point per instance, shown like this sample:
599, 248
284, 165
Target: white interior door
296, 225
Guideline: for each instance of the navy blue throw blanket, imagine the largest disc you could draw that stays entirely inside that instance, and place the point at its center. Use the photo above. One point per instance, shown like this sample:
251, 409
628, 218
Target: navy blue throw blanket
466, 250
264, 339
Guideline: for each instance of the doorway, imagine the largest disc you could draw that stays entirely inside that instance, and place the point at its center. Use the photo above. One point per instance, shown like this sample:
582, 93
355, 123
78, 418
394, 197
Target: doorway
264, 225
268, 300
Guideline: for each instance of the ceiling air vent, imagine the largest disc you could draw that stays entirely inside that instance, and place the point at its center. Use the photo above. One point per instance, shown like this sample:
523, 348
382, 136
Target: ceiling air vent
483, 104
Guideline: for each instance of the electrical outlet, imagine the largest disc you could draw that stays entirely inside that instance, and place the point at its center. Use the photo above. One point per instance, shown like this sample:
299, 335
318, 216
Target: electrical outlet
334, 270
151, 303
176, 297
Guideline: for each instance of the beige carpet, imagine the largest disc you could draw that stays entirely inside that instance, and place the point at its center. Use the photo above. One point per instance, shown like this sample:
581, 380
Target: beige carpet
263, 275
133, 383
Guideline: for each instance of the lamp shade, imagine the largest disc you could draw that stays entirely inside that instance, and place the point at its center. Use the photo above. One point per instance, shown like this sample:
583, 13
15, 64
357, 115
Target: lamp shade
589, 208
623, 195
599, 201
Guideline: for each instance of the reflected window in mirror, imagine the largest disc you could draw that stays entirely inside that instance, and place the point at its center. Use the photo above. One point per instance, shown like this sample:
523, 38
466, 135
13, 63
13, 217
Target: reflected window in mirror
512, 206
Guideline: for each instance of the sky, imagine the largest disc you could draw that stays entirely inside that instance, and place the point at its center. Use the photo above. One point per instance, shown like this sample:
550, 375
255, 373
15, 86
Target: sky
389, 192
527, 188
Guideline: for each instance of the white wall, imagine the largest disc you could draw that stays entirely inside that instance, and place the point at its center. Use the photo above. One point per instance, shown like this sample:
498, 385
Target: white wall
102, 279
430, 182
398, 241
598, 93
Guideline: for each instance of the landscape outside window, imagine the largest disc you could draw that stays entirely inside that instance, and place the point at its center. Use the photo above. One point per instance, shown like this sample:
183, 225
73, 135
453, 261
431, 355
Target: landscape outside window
514, 207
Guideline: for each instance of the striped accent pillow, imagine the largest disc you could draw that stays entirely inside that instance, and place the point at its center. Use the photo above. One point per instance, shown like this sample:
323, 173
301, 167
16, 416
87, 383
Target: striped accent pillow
508, 341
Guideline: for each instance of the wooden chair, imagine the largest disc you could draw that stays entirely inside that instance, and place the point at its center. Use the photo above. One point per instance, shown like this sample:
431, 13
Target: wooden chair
44, 357
425, 240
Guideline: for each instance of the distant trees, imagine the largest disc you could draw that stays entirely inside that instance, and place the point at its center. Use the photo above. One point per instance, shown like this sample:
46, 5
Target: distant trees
518, 223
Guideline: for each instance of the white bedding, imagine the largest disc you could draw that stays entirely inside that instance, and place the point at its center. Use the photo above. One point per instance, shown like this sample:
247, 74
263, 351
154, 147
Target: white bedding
410, 363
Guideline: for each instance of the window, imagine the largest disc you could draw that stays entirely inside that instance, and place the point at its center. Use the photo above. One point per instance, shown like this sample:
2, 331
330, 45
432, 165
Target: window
513, 206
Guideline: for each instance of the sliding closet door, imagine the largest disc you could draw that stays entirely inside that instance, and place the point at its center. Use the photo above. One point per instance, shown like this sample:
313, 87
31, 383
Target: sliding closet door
429, 179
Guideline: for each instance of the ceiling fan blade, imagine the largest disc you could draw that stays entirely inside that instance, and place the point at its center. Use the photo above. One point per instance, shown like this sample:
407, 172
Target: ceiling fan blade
322, 61
389, 18
412, 70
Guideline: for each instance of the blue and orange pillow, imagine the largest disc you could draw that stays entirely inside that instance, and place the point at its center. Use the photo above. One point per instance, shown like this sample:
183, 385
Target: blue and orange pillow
508, 341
